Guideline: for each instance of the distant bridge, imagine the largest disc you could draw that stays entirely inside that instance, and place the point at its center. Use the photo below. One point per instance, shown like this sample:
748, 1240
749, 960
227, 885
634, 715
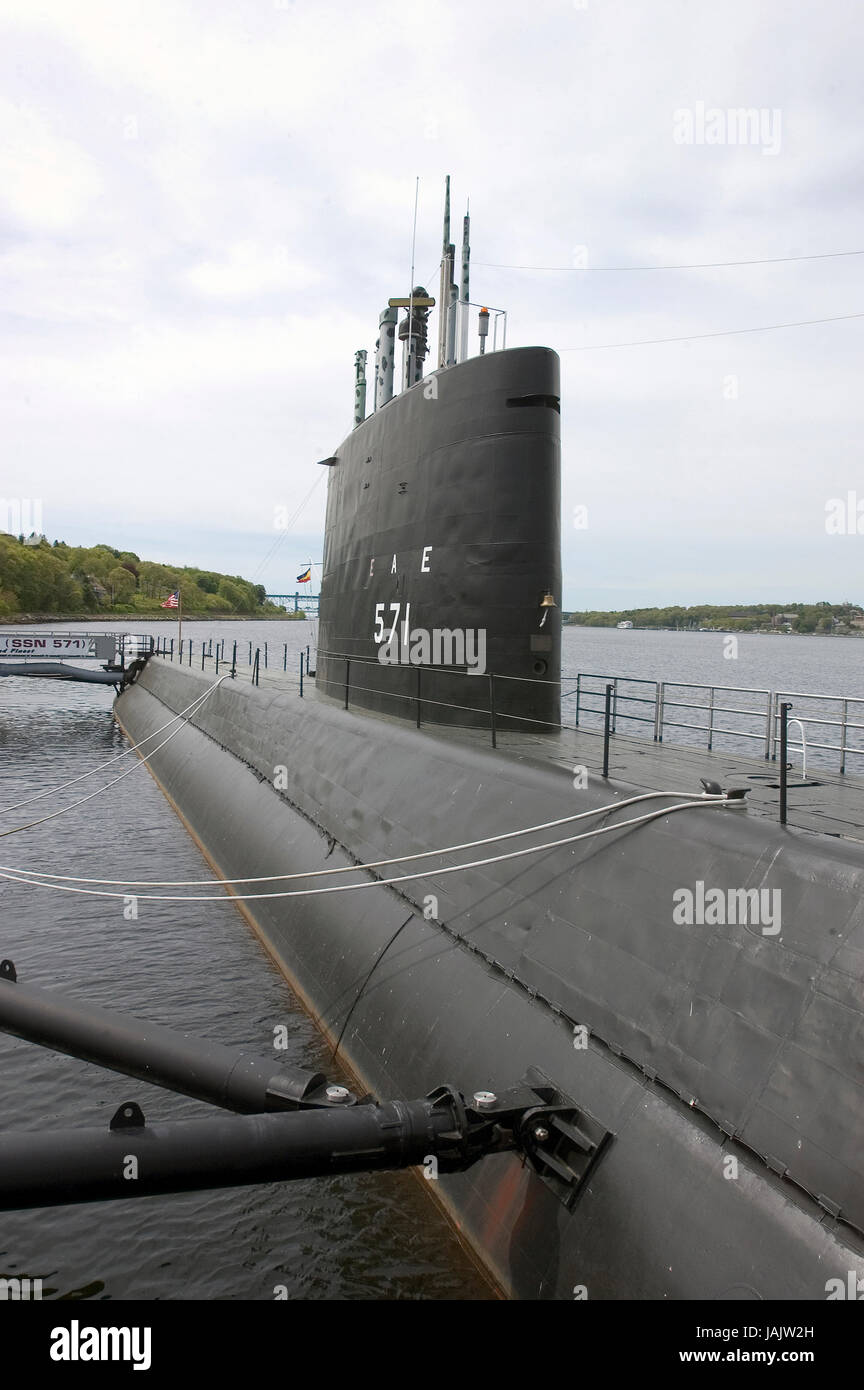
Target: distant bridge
299, 603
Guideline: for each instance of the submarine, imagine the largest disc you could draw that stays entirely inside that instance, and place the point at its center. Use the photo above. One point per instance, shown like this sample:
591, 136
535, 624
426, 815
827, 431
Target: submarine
453, 897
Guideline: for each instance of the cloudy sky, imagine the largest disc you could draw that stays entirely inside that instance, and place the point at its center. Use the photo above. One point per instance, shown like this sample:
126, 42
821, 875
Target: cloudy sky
204, 204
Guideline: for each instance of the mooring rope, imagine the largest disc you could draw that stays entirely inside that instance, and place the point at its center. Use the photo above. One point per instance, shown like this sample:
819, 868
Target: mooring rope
100, 767
354, 868
73, 804
373, 883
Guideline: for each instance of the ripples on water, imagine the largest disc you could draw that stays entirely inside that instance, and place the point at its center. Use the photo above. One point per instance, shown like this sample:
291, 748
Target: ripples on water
195, 967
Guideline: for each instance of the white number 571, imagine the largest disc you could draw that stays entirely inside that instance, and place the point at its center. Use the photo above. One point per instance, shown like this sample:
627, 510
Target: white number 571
395, 609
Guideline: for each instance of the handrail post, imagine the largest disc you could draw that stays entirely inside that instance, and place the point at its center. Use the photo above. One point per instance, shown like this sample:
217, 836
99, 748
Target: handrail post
578, 693
711, 720
606, 722
769, 724
784, 718
234, 663
265, 656
284, 656
661, 699
419, 671
202, 656
656, 708
347, 678
492, 710
301, 675
255, 666
307, 658
615, 705
843, 736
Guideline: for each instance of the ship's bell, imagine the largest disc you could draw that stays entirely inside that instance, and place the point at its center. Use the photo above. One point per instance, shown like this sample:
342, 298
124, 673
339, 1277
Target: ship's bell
548, 601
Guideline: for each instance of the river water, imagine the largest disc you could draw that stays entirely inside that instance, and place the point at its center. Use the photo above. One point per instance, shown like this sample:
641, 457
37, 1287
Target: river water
200, 968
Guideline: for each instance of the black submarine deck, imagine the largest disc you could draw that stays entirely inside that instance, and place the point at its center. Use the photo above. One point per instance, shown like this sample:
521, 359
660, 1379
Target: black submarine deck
826, 803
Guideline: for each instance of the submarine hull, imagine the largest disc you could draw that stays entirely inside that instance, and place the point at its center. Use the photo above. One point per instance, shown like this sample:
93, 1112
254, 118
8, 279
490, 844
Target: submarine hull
703, 1044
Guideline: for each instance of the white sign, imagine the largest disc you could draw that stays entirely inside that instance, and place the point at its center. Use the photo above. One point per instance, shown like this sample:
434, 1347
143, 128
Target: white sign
32, 644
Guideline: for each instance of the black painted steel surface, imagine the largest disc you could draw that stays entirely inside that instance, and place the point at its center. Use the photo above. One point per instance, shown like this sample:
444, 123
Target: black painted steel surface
444, 505
697, 1032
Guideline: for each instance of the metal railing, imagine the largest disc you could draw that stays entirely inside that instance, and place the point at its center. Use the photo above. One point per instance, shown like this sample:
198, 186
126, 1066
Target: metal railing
713, 710
607, 704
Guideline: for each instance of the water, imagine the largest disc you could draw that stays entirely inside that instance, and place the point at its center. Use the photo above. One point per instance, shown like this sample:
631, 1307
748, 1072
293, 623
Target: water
199, 968
827, 666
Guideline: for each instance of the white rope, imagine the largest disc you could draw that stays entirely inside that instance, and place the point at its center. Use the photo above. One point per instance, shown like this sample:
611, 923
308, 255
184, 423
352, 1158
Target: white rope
375, 882
101, 766
72, 805
347, 868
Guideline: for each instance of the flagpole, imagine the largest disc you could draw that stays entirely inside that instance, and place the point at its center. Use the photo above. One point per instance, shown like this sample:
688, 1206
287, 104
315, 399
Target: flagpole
179, 616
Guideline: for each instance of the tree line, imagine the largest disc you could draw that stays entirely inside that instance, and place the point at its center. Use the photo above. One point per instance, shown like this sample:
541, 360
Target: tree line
753, 617
64, 579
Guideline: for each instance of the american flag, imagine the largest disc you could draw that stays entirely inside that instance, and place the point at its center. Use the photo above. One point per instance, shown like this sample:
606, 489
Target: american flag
173, 600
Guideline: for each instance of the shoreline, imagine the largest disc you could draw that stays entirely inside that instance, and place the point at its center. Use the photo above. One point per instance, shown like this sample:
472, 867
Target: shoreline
707, 631
40, 619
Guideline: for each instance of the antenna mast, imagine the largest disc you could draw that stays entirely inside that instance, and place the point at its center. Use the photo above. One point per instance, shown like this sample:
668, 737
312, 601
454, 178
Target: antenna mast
445, 311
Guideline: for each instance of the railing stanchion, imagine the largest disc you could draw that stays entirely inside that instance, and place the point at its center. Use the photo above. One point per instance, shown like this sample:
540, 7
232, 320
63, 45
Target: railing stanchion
492, 710
769, 724
256, 666
234, 663
284, 656
784, 720
301, 675
419, 669
606, 728
347, 678
578, 694
711, 720
843, 737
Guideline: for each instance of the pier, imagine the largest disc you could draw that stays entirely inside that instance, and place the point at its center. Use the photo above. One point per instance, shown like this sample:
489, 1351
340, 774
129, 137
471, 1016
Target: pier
50, 655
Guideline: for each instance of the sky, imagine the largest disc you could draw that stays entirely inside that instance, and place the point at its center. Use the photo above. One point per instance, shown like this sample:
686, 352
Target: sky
204, 205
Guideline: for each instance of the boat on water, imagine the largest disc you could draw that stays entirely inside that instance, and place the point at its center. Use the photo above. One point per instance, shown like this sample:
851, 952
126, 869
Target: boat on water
687, 972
